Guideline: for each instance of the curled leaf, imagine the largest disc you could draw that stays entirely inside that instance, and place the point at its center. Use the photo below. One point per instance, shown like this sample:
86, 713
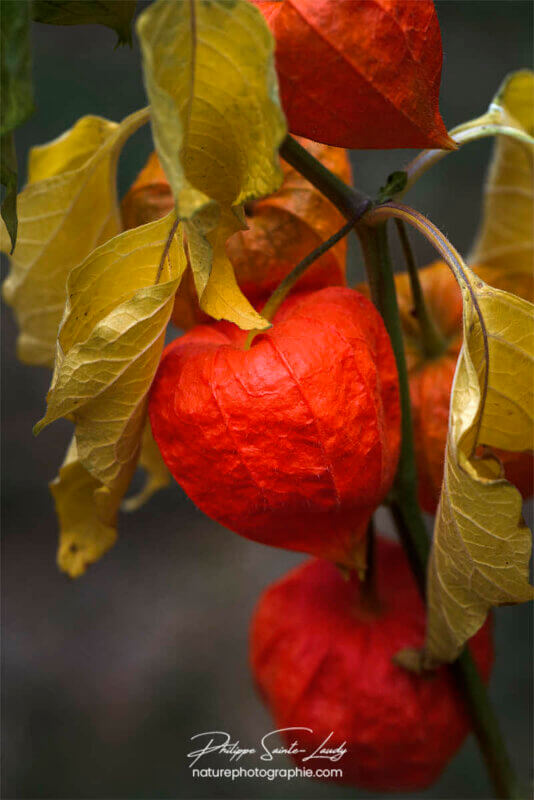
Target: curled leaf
217, 126
68, 208
431, 377
110, 343
481, 548
157, 474
87, 513
505, 242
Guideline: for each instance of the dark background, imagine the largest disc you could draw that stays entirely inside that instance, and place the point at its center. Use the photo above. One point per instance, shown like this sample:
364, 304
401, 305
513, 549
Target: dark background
106, 678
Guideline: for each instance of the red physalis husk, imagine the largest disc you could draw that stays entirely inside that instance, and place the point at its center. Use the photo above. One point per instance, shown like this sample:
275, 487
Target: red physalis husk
294, 442
323, 659
360, 73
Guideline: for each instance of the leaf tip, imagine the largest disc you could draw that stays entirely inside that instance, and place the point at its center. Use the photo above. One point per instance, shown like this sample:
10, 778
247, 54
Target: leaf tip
38, 427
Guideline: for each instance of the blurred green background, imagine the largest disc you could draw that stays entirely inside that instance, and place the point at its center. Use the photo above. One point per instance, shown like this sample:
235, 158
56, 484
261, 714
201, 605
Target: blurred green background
106, 679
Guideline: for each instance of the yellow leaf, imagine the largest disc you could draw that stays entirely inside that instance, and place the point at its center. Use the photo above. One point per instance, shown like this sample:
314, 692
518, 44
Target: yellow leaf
110, 343
217, 126
68, 208
481, 547
87, 513
158, 476
505, 241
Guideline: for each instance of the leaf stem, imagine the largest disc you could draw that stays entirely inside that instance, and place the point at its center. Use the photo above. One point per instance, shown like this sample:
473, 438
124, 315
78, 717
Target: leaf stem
437, 239
432, 342
464, 275
467, 132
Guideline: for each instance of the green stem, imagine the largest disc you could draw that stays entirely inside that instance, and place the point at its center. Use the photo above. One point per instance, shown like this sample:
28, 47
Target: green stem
486, 727
432, 342
487, 125
473, 690
413, 535
405, 507
369, 590
412, 531
167, 247
382, 283
352, 203
284, 287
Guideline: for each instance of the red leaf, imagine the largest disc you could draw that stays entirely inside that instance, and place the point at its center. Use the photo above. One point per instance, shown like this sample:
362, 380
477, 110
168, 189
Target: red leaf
359, 73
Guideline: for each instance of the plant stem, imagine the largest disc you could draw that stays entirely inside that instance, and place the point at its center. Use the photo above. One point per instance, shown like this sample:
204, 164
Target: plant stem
432, 342
404, 494
412, 531
474, 692
487, 125
284, 287
416, 545
382, 283
486, 727
368, 591
352, 203
404, 504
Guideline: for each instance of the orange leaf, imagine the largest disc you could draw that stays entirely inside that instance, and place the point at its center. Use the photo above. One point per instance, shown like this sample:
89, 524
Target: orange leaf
359, 73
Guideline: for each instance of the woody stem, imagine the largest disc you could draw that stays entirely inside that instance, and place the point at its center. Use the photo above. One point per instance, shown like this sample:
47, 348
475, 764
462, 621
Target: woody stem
405, 507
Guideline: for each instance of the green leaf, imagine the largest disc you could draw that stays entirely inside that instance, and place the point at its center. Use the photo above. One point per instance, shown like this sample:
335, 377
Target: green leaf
16, 92
395, 184
16, 76
8, 178
217, 126
114, 14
